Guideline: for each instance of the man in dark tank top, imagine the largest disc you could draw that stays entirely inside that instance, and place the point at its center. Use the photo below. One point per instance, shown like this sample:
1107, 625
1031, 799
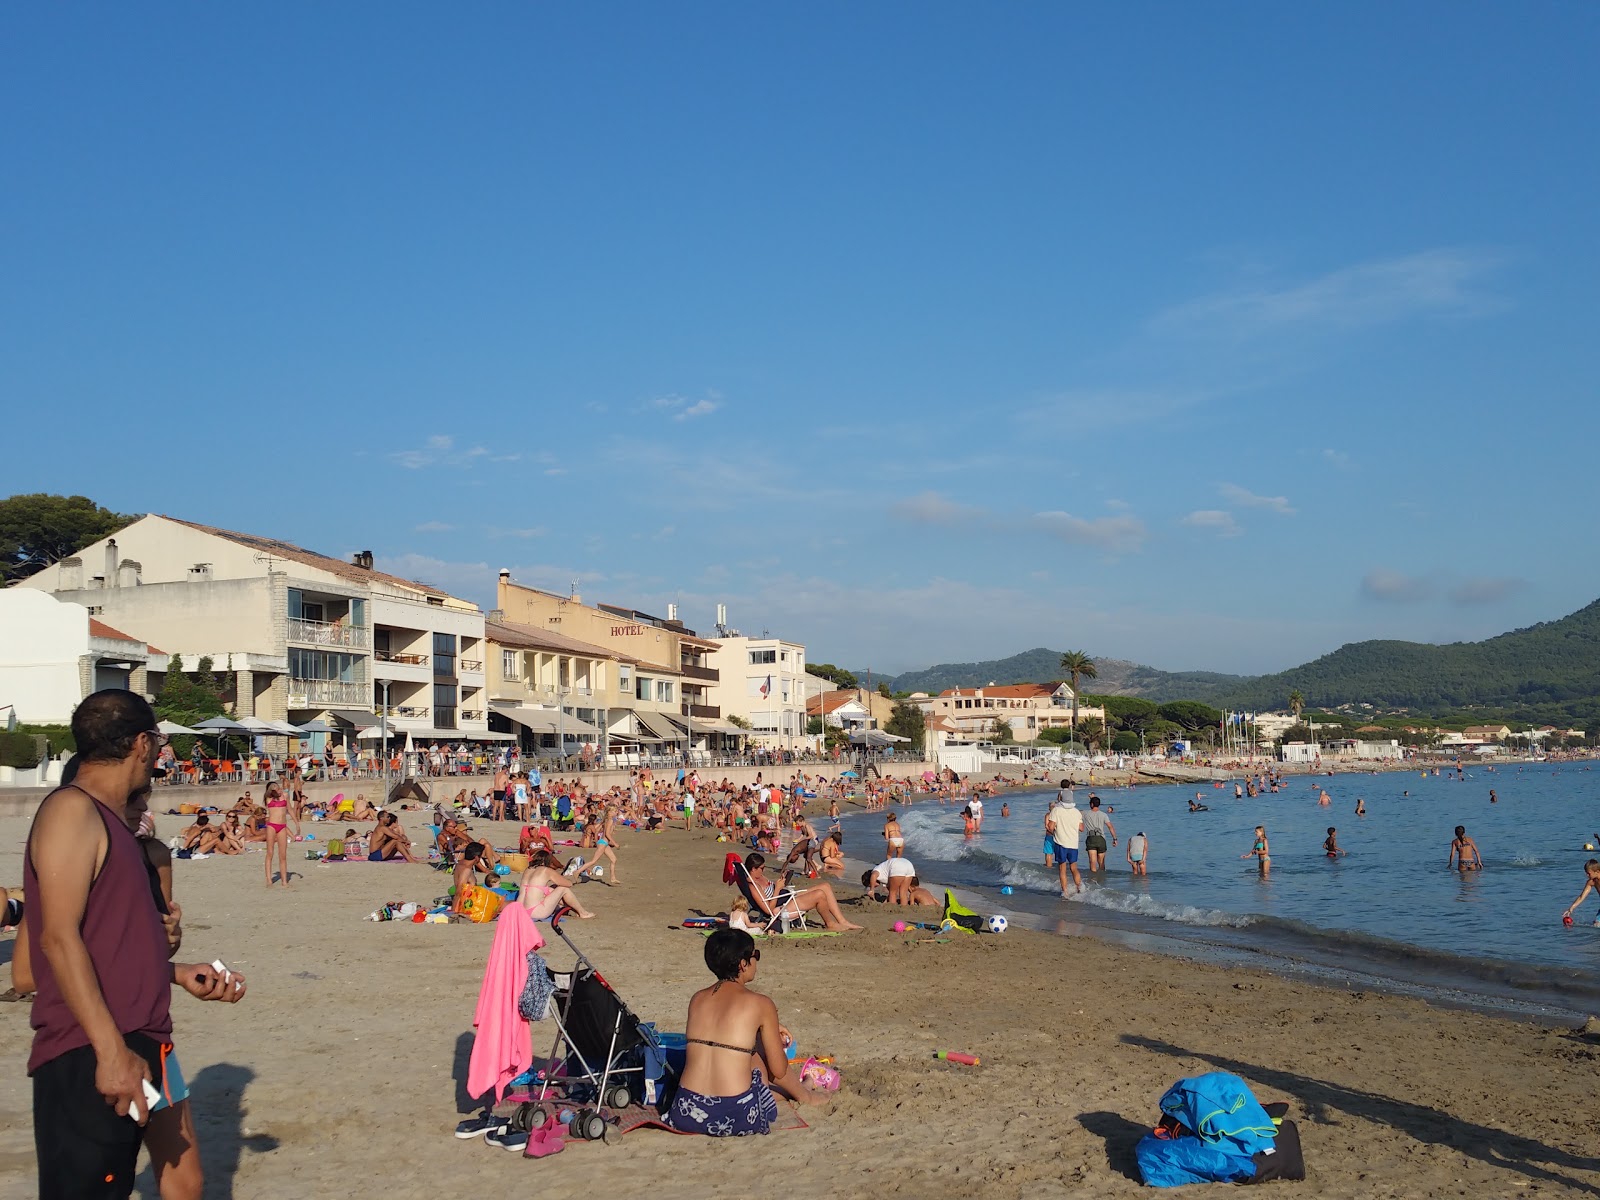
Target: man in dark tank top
91, 916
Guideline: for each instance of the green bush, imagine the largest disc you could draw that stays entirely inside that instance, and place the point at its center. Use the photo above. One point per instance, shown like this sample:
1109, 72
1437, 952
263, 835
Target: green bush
1125, 743
23, 750
59, 737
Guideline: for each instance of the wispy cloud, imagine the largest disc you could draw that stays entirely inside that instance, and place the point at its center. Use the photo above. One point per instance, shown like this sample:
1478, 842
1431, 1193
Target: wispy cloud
1106, 408
930, 508
700, 408
684, 409
433, 527
440, 449
1245, 498
529, 531
1120, 532
1338, 459
1215, 520
1485, 590
1441, 282
1394, 587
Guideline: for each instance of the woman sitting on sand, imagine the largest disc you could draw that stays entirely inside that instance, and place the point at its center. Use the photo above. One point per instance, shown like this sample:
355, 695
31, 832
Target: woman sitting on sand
735, 1052
544, 888
833, 854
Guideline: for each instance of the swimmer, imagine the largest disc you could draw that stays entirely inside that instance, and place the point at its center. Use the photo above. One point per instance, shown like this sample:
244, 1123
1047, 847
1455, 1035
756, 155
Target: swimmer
1195, 806
1330, 845
1005, 809
1464, 854
1493, 799
1323, 799
1591, 882
1361, 807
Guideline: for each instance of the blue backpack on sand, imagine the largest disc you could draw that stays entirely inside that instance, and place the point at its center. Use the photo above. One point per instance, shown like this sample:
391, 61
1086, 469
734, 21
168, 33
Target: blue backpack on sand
1210, 1132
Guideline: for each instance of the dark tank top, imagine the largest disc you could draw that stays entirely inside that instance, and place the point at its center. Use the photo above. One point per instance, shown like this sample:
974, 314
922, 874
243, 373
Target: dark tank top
127, 945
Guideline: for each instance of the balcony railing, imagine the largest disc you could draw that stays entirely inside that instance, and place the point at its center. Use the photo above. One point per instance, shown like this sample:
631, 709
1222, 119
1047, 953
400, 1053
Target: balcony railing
404, 710
306, 692
470, 664
709, 674
704, 712
410, 660
472, 714
325, 633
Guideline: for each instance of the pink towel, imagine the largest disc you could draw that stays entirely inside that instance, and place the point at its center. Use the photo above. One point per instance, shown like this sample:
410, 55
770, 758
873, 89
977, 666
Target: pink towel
503, 1048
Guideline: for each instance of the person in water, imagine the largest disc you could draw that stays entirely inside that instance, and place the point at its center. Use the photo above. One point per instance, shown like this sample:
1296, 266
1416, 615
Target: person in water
1330, 844
1464, 854
1196, 806
1260, 851
1591, 883
1139, 854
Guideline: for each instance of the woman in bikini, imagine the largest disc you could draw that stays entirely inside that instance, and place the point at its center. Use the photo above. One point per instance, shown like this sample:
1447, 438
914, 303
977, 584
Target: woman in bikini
894, 840
735, 1048
599, 838
278, 820
544, 888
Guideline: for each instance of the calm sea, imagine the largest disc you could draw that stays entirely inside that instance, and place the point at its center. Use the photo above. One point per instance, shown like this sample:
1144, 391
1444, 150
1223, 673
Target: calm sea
1389, 914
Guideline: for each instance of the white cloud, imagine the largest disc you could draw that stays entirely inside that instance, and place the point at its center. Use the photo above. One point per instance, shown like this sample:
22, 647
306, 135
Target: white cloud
531, 531
1245, 498
433, 527
1121, 532
1430, 283
700, 408
1338, 459
440, 449
930, 508
1216, 520
1394, 587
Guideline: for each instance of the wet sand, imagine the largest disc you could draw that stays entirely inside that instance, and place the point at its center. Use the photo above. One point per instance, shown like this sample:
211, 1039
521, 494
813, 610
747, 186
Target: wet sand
339, 1074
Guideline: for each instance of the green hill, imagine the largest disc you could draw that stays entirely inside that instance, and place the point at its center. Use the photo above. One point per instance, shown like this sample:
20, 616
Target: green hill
1546, 672
1118, 677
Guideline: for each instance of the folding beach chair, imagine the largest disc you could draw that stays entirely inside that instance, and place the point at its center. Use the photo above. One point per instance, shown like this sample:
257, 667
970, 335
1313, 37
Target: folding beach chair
780, 913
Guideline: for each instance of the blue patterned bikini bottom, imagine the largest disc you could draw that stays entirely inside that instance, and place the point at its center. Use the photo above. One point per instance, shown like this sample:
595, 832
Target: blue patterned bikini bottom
749, 1112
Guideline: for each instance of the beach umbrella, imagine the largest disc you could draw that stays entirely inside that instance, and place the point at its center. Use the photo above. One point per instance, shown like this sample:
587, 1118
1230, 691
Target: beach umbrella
285, 728
317, 726
172, 727
849, 775
221, 726
257, 725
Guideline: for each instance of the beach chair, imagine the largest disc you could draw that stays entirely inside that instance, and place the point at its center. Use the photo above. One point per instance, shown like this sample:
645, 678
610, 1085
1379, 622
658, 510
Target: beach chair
781, 915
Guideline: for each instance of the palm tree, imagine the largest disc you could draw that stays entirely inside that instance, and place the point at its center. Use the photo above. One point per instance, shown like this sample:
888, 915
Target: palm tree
1080, 666
1297, 704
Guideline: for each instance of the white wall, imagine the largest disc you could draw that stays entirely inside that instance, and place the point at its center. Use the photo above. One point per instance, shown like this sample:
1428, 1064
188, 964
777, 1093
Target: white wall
41, 640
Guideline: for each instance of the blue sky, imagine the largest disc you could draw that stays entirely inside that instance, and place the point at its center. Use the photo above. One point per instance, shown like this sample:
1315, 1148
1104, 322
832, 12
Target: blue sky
1212, 336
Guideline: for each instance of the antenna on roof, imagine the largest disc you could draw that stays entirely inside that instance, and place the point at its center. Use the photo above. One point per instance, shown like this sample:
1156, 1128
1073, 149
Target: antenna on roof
572, 590
269, 559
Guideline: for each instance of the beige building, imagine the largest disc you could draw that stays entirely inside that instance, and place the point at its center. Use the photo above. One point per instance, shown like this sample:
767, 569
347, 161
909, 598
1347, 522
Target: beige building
762, 681
660, 666
1028, 708
296, 634
851, 708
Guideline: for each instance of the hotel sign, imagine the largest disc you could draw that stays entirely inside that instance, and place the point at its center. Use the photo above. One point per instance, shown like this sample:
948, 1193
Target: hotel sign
627, 631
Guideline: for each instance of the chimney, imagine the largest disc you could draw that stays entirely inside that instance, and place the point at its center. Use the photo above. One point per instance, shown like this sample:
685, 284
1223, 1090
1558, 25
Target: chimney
672, 612
497, 615
128, 573
505, 575
363, 559
111, 563
72, 574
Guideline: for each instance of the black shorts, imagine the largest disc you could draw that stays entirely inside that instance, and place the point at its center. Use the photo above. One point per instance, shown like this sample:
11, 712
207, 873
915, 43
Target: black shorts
86, 1151
1095, 842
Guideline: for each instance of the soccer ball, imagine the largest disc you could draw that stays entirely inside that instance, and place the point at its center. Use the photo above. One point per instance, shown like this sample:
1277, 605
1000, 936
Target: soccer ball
997, 924
598, 872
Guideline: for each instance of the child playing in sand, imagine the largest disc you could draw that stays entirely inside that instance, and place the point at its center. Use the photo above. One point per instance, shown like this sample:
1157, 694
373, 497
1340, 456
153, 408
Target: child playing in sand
1138, 854
739, 918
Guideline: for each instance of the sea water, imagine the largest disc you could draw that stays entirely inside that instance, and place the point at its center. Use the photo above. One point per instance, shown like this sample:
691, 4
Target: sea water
1389, 913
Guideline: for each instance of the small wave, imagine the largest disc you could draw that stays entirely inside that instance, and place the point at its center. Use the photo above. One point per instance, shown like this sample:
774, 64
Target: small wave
1527, 860
1145, 906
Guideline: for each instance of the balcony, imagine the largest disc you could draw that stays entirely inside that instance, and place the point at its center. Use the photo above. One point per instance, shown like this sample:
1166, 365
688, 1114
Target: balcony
410, 660
708, 674
409, 711
703, 712
312, 693
472, 714
325, 633
471, 666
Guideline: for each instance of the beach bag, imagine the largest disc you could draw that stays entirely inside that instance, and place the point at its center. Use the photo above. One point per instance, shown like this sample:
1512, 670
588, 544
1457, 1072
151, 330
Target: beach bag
534, 1003
1212, 1130
962, 916
335, 848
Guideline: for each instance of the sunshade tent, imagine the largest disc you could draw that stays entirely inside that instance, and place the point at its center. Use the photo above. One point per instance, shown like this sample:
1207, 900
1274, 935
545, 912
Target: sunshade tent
171, 728
317, 726
221, 726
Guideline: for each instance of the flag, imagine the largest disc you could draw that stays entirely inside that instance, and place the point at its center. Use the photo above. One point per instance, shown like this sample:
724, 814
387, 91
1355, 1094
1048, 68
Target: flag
766, 688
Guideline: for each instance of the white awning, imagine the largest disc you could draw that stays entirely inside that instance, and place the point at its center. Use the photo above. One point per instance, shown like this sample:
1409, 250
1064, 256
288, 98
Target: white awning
658, 724
547, 720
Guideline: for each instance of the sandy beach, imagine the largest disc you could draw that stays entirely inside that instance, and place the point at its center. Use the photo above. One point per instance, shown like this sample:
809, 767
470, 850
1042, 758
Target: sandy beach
340, 1073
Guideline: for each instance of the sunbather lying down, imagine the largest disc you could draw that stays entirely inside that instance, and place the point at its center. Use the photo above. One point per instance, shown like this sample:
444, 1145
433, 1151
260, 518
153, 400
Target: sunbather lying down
819, 899
735, 1059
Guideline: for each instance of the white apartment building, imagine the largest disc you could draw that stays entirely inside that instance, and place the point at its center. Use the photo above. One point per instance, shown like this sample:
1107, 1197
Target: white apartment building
762, 681
1028, 708
296, 633
53, 654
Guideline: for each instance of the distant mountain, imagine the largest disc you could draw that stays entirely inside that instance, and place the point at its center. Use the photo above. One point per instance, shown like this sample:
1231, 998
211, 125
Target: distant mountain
1552, 667
1117, 677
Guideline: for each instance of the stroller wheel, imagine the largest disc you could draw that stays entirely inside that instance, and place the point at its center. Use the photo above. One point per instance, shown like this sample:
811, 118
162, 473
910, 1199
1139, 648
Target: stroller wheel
591, 1126
528, 1117
619, 1097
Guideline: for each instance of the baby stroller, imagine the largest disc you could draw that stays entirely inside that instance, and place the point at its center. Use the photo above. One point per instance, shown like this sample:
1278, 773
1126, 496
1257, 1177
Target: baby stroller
604, 1059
